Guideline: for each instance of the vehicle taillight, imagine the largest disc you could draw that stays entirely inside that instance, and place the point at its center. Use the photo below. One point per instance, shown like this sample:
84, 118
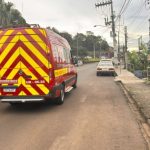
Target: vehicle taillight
111, 68
99, 68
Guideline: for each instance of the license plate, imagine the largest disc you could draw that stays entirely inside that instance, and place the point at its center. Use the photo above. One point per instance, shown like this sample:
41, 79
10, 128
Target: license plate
9, 90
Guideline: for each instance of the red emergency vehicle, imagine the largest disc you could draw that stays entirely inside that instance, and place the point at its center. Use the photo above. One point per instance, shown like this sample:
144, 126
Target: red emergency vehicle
35, 65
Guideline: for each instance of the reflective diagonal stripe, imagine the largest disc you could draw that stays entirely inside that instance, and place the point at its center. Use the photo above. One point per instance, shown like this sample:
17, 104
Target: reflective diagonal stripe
8, 63
8, 51
13, 72
61, 72
14, 65
42, 36
36, 35
43, 32
36, 44
33, 63
5, 36
33, 50
36, 73
44, 89
25, 50
23, 91
29, 87
28, 71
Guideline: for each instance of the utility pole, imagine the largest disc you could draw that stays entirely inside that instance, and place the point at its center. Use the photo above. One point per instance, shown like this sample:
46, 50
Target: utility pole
140, 43
94, 50
119, 52
124, 60
102, 4
77, 47
126, 48
119, 46
100, 49
149, 36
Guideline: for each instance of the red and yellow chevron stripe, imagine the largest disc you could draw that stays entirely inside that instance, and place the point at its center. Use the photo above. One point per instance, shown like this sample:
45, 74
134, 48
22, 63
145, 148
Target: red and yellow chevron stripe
23, 58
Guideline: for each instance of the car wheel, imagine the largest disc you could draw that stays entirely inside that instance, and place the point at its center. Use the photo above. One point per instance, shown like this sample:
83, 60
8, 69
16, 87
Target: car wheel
60, 99
97, 74
75, 84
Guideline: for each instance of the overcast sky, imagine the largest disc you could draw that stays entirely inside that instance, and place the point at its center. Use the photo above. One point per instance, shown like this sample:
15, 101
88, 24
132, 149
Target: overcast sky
81, 15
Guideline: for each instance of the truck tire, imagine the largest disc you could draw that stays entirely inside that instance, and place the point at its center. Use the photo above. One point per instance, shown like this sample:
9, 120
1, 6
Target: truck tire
75, 84
60, 99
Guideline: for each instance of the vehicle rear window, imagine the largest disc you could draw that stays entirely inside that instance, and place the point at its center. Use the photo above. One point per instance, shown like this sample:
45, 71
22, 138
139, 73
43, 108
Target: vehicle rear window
105, 63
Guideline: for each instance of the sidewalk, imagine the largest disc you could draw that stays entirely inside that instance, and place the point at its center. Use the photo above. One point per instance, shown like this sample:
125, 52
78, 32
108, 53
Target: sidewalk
138, 90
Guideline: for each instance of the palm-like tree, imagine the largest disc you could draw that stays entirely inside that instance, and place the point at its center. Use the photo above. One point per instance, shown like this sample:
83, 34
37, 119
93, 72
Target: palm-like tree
1, 12
9, 15
8, 7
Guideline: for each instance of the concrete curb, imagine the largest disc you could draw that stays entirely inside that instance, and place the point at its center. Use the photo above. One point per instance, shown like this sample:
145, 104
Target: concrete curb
144, 125
135, 102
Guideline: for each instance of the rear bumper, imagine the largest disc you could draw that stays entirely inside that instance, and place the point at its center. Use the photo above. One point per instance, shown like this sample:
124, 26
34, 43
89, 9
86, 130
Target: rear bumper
22, 99
105, 71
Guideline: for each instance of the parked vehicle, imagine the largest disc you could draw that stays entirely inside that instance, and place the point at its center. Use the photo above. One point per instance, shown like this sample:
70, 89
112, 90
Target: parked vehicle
79, 63
105, 67
35, 65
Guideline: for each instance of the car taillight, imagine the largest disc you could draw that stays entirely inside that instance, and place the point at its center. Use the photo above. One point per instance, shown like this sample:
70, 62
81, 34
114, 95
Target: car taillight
99, 68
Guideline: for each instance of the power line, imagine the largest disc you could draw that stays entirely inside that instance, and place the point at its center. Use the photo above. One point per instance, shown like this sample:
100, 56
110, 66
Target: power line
110, 3
137, 13
141, 23
127, 5
123, 8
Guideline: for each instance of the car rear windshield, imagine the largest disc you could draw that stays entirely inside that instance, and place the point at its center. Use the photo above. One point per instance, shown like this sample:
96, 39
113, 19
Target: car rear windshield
105, 64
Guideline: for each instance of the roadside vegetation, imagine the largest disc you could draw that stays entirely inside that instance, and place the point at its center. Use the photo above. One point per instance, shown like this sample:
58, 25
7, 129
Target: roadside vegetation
87, 44
138, 61
9, 15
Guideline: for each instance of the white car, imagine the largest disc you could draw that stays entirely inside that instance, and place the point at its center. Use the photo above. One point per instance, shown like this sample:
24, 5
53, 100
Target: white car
79, 63
105, 67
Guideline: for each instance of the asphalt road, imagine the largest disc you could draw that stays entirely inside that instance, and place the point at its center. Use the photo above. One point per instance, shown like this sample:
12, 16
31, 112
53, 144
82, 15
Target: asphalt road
95, 116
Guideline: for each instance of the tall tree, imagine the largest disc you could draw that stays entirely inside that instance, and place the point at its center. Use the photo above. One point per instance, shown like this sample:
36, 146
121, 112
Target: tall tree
2, 10
8, 15
86, 43
8, 7
16, 17
67, 36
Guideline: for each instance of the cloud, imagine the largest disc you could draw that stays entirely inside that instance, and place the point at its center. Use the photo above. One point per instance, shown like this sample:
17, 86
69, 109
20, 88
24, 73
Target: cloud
80, 16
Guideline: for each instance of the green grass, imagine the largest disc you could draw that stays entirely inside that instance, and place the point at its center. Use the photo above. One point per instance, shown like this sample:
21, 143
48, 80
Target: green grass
91, 60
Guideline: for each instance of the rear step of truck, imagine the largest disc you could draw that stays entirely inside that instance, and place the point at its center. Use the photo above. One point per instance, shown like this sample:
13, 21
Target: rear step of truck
22, 100
68, 89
